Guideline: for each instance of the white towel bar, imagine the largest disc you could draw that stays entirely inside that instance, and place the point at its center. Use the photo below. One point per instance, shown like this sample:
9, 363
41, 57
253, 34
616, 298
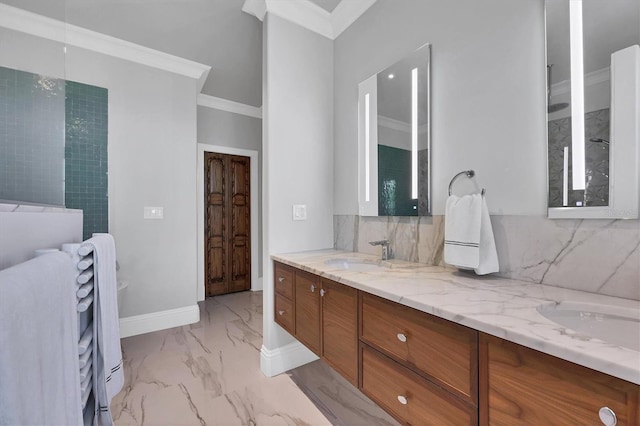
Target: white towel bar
85, 250
84, 372
85, 276
84, 303
85, 263
85, 358
85, 341
85, 289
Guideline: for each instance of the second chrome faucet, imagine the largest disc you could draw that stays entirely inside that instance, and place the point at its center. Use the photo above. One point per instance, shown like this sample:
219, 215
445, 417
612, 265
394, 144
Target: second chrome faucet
386, 250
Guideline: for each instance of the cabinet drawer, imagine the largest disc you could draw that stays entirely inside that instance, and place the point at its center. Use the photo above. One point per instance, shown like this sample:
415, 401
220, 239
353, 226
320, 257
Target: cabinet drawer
284, 313
445, 352
522, 386
283, 280
387, 382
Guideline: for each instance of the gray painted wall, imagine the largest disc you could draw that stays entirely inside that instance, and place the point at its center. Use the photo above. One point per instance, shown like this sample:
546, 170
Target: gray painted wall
488, 100
298, 149
152, 158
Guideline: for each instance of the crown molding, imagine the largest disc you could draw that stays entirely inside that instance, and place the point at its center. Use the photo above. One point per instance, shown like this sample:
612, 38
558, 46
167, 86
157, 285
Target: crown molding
311, 16
71, 35
229, 106
392, 123
594, 77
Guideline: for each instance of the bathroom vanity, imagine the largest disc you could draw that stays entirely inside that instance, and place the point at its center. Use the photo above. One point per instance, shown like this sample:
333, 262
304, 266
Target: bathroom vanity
433, 346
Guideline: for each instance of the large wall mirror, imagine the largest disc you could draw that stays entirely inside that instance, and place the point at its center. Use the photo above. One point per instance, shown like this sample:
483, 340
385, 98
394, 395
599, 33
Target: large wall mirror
593, 93
394, 139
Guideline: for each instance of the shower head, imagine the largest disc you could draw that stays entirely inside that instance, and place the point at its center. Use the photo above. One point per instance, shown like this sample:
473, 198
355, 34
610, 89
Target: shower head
555, 107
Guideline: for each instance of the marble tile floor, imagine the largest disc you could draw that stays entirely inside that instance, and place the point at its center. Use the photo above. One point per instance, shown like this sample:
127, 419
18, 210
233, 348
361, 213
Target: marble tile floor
209, 374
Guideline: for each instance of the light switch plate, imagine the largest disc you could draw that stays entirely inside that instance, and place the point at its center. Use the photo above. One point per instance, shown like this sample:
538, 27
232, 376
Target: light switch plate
299, 212
153, 212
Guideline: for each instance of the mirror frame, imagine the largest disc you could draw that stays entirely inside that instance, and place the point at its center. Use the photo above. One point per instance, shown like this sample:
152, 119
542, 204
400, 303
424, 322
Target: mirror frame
368, 137
624, 149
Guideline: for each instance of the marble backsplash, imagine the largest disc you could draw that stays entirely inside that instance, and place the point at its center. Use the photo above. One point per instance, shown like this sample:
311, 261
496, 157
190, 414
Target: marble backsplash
598, 256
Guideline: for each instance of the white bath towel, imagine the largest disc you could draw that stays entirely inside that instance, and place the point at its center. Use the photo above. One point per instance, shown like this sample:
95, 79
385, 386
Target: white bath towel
109, 374
468, 235
39, 367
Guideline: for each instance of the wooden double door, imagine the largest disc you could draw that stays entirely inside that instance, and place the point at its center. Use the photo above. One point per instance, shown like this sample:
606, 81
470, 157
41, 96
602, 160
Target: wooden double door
227, 223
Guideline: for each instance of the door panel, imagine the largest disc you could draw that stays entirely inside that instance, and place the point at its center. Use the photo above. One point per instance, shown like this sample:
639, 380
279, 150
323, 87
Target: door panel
227, 220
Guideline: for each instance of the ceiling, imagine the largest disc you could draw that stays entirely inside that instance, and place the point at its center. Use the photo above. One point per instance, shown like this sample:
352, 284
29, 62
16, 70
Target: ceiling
211, 32
327, 5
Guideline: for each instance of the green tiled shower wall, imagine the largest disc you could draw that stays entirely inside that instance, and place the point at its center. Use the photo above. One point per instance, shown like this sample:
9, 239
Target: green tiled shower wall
85, 155
394, 182
53, 144
31, 138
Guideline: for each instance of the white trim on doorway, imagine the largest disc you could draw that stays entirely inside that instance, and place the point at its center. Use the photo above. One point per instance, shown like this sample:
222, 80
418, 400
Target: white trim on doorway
256, 282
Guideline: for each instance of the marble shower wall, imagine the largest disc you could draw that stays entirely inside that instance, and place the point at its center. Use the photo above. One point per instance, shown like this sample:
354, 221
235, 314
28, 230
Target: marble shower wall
598, 256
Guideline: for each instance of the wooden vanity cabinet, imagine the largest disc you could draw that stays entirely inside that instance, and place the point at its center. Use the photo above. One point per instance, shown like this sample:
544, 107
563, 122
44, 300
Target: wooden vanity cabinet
445, 352
324, 317
521, 386
422, 369
284, 309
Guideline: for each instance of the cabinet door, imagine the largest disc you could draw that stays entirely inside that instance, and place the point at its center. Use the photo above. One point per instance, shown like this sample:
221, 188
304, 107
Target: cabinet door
340, 329
522, 386
307, 310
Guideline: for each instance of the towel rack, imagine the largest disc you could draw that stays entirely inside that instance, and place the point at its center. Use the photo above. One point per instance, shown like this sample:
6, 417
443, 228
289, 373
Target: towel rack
469, 174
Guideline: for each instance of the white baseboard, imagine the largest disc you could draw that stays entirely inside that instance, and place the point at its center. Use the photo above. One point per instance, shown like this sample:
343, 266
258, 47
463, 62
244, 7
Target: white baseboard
256, 285
279, 360
140, 324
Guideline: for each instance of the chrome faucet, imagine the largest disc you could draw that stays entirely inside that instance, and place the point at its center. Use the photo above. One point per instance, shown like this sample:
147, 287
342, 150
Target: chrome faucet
386, 250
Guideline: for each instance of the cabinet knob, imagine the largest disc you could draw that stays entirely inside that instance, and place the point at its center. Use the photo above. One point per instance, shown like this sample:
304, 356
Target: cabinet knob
402, 337
280, 279
608, 416
402, 399
281, 313
322, 292
312, 288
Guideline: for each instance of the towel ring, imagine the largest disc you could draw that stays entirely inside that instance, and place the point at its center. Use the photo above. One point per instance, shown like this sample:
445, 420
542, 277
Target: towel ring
469, 174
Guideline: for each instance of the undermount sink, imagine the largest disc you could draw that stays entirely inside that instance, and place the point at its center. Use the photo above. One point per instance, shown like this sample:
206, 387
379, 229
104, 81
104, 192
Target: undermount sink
612, 324
353, 264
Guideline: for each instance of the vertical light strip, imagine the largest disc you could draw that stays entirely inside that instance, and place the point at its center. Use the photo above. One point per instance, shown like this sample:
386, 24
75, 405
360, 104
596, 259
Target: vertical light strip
414, 133
367, 183
577, 95
565, 177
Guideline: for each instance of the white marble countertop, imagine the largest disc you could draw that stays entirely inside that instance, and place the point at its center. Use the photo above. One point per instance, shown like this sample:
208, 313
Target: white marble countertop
501, 307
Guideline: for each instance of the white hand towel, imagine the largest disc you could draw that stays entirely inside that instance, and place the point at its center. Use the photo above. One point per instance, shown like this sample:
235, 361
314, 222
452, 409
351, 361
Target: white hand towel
39, 366
109, 372
469, 242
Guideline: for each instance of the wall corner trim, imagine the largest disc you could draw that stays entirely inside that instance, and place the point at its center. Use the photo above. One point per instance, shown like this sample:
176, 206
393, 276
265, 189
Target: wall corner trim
31, 23
229, 106
311, 16
278, 360
146, 323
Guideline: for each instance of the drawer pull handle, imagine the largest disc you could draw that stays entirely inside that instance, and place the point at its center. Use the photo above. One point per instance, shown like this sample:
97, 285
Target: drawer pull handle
281, 313
402, 399
322, 292
280, 279
312, 288
608, 416
402, 337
